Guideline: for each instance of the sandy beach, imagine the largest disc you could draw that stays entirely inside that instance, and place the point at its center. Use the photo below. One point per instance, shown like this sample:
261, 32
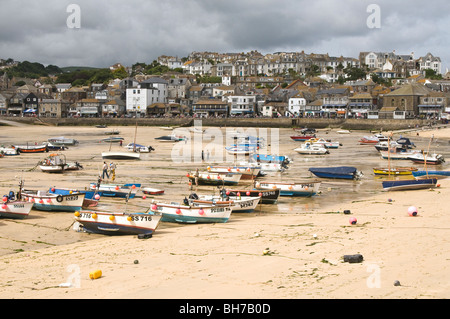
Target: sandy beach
304, 239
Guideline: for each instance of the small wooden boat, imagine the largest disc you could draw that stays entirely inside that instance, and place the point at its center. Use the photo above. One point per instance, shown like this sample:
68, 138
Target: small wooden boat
207, 178
247, 172
44, 200
302, 138
170, 138
241, 204
9, 151
62, 141
56, 163
174, 212
31, 148
311, 149
419, 174
267, 196
400, 185
112, 139
116, 190
338, 172
118, 223
394, 170
304, 189
152, 191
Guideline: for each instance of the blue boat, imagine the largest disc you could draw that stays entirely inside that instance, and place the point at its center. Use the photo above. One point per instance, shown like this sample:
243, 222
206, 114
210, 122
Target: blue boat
89, 196
434, 174
410, 184
340, 172
116, 190
271, 158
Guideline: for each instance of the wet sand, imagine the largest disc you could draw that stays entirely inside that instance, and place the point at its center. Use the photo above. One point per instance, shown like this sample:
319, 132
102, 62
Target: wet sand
306, 237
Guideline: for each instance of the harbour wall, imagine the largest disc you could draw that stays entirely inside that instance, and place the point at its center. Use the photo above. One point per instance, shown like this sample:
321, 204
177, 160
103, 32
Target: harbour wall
349, 124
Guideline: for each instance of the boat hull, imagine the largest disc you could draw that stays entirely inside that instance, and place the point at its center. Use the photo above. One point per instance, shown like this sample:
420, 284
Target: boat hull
108, 223
394, 170
399, 185
267, 196
192, 214
89, 196
54, 202
121, 155
116, 190
306, 189
215, 179
431, 174
341, 172
15, 209
245, 204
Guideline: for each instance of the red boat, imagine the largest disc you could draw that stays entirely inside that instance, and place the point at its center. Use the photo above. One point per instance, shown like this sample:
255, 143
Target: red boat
302, 137
31, 148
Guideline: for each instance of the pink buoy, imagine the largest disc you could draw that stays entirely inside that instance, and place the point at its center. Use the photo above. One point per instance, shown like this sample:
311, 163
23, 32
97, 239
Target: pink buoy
49, 200
201, 211
260, 194
32, 200
238, 194
133, 187
248, 193
227, 192
412, 211
5, 199
97, 197
353, 220
41, 201
178, 211
154, 207
53, 189
218, 176
144, 197
4, 206
117, 188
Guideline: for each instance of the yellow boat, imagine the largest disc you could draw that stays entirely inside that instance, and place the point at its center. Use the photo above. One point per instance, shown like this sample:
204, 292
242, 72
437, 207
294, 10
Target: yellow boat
394, 170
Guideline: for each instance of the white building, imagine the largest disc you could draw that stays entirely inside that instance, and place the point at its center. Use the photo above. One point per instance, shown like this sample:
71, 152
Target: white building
430, 62
242, 104
297, 105
153, 90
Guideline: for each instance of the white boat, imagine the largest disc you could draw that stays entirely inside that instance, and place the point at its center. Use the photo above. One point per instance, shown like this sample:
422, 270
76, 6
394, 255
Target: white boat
247, 172
152, 191
343, 132
9, 151
15, 209
305, 189
44, 200
244, 204
423, 157
56, 163
121, 155
174, 212
63, 141
308, 148
240, 150
118, 223
116, 190
325, 143
132, 147
196, 130
208, 178
396, 155
170, 138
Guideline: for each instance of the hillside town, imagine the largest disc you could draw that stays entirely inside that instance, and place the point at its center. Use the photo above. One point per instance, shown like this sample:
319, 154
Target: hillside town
376, 85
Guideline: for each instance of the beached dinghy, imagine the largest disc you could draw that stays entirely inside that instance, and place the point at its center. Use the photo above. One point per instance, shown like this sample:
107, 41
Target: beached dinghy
431, 174
47, 201
152, 191
118, 223
241, 204
410, 184
116, 190
309, 148
394, 170
15, 209
304, 189
31, 148
91, 198
207, 178
339, 172
267, 196
247, 172
174, 212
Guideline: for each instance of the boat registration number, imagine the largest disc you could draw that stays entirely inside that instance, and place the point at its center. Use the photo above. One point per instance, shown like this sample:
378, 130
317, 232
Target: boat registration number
70, 198
19, 205
217, 210
246, 204
141, 218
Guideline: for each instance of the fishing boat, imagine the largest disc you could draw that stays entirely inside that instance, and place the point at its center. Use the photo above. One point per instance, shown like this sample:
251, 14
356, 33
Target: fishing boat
410, 184
247, 172
402, 144
56, 163
91, 198
152, 191
303, 189
373, 139
423, 157
53, 147
112, 139
44, 200
31, 148
116, 190
338, 172
13, 208
394, 170
170, 138
220, 212
343, 131
308, 148
435, 174
240, 204
119, 155
209, 178
62, 141
302, 138
112, 132
117, 223
267, 196
9, 151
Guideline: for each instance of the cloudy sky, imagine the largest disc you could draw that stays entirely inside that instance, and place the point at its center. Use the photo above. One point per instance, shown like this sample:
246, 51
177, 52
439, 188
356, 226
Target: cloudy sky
139, 31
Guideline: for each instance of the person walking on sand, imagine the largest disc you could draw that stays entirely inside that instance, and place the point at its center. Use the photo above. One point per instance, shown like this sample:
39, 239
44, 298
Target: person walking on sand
105, 171
112, 169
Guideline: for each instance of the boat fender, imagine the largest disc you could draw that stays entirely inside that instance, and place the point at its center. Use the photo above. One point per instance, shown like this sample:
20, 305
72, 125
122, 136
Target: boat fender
59, 198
